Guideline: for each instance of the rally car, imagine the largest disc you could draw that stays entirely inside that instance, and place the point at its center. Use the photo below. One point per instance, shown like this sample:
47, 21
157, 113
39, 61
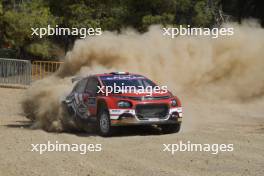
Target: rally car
100, 99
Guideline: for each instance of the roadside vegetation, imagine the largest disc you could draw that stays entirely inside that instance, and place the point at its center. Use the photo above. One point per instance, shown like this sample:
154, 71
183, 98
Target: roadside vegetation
17, 17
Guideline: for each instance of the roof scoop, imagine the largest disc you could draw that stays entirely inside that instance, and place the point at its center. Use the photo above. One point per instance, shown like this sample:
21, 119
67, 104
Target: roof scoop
119, 73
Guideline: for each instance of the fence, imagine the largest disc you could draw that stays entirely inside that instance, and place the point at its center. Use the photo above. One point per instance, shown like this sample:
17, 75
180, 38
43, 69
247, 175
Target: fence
41, 69
15, 72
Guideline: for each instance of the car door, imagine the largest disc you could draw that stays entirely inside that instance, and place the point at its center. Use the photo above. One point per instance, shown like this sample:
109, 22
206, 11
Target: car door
90, 95
76, 101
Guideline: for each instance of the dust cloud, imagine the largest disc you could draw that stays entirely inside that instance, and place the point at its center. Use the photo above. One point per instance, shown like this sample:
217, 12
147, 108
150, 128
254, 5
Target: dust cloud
229, 67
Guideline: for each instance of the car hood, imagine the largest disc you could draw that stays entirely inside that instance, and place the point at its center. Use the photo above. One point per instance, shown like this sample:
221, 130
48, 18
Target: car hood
145, 95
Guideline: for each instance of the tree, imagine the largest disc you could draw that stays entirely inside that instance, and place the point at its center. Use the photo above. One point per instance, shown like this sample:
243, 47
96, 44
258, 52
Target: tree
141, 14
241, 9
1, 7
1, 23
18, 22
164, 19
203, 14
18, 16
105, 14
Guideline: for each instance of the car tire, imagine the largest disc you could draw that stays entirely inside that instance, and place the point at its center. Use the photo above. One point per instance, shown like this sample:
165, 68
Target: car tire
104, 123
68, 121
170, 128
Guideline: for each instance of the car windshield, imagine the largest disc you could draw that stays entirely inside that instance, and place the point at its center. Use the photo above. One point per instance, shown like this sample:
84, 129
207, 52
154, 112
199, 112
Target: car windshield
135, 81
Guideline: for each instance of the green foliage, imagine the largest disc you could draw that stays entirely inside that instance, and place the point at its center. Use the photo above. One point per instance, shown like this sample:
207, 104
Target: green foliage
109, 15
80, 15
203, 16
41, 48
173, 12
19, 21
1, 23
7, 53
18, 17
1, 7
164, 19
183, 5
143, 13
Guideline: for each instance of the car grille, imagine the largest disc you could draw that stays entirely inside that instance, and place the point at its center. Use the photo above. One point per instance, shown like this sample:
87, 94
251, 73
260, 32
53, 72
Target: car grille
146, 111
149, 98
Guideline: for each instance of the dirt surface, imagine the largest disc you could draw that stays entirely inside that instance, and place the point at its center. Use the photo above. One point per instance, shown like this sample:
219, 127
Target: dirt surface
138, 151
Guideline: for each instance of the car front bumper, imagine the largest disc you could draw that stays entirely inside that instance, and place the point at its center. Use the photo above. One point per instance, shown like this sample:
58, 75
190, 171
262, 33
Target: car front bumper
120, 117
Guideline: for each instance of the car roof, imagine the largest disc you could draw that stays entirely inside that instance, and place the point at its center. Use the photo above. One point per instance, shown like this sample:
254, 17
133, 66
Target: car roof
74, 79
116, 74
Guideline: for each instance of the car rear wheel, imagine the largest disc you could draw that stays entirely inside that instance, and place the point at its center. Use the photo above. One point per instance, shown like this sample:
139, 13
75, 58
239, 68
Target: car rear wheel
68, 121
104, 123
170, 128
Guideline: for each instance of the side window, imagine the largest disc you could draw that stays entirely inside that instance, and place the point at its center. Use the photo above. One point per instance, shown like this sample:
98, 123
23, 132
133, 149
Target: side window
147, 83
91, 86
80, 86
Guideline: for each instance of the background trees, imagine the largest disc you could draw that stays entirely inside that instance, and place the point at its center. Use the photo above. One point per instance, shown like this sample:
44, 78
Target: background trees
18, 16
17, 21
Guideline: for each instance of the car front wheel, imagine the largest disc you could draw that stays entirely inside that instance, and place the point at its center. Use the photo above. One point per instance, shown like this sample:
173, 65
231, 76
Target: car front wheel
104, 123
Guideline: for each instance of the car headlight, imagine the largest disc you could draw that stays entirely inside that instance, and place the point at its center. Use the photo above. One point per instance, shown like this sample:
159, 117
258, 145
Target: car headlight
124, 104
174, 103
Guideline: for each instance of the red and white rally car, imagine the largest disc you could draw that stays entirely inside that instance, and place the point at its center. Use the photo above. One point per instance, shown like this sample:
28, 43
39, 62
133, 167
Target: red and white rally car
121, 98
